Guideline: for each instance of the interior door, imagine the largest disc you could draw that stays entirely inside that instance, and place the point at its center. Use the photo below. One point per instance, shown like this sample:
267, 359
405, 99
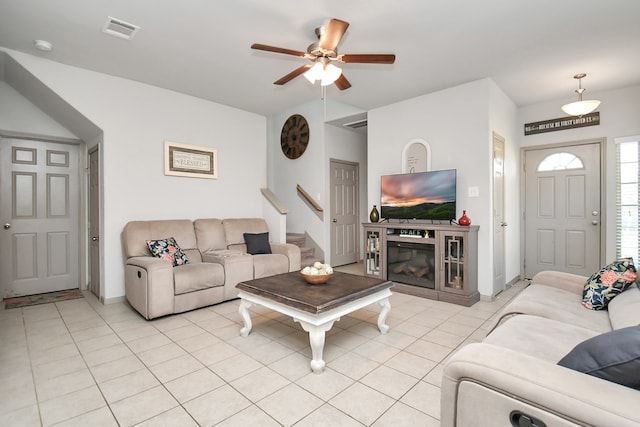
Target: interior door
94, 221
39, 189
344, 212
562, 209
499, 224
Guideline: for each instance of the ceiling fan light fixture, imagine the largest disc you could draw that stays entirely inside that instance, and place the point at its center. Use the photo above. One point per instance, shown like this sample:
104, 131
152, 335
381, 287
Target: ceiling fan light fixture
580, 107
331, 74
315, 73
324, 71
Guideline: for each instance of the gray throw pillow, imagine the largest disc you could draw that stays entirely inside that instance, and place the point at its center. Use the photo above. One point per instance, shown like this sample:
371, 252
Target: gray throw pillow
257, 243
613, 356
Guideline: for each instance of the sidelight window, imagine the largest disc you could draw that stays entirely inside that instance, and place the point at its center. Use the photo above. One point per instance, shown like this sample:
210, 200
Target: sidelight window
627, 197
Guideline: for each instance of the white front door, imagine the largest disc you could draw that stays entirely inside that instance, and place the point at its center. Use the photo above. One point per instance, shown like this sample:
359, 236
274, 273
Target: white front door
39, 189
562, 209
344, 212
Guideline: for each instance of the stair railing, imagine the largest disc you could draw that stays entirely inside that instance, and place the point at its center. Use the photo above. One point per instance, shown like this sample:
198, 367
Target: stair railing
308, 199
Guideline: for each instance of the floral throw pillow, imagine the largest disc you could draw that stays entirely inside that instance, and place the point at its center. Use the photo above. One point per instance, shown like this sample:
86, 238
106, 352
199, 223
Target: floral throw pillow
610, 281
169, 250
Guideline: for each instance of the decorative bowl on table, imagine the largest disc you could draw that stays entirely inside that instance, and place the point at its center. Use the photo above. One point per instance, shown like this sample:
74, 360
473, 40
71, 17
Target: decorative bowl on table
317, 274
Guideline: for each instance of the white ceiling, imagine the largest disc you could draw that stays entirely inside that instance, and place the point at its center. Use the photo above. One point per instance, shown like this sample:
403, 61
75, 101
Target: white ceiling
531, 49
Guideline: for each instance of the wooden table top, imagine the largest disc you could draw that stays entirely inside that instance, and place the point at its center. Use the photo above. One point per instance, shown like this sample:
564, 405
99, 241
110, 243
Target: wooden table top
292, 290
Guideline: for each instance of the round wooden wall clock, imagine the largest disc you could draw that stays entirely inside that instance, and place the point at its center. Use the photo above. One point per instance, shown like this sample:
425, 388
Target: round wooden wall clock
294, 137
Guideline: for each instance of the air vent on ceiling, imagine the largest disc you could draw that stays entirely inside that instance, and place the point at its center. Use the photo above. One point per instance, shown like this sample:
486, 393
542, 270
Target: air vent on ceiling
119, 28
357, 124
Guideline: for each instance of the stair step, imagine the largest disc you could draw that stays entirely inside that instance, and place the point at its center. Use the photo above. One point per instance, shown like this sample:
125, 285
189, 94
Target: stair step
307, 255
307, 252
297, 239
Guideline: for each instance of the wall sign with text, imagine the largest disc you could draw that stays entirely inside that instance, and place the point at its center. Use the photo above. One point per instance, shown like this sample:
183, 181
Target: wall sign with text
190, 160
591, 119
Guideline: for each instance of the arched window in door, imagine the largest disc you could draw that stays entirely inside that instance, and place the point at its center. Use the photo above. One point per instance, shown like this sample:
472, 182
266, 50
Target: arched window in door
560, 161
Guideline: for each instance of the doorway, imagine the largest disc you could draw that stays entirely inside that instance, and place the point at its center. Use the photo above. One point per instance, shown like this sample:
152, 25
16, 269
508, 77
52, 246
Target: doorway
94, 221
40, 213
499, 224
345, 206
562, 208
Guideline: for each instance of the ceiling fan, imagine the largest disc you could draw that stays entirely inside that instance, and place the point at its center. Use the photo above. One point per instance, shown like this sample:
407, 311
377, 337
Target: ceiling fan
322, 53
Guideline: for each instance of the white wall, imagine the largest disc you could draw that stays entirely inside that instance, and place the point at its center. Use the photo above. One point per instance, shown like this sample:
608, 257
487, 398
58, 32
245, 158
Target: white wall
18, 114
455, 123
136, 120
619, 117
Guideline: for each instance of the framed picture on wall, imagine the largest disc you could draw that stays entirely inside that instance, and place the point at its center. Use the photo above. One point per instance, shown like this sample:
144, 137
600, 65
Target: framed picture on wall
190, 160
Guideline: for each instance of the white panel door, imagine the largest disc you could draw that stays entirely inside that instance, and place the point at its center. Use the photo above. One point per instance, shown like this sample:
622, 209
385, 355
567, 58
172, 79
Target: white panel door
94, 222
562, 209
39, 189
344, 212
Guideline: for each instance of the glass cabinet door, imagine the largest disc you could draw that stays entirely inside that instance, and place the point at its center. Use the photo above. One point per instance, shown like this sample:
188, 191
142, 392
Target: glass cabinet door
372, 253
453, 262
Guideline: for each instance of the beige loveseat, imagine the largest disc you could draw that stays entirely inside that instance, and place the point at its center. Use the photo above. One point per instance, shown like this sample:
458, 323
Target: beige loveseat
218, 260
513, 376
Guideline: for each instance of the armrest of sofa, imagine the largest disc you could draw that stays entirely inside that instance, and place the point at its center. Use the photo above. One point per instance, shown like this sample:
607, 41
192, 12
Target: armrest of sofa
149, 286
238, 267
483, 384
561, 280
290, 251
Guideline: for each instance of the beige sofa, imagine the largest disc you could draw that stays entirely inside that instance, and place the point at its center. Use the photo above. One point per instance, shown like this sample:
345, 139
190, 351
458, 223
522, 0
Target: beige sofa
218, 260
513, 376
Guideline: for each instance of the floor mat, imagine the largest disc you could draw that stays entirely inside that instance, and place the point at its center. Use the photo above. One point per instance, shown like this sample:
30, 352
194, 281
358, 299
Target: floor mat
42, 298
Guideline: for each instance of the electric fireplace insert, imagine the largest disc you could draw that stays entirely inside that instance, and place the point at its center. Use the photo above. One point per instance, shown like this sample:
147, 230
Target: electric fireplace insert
411, 263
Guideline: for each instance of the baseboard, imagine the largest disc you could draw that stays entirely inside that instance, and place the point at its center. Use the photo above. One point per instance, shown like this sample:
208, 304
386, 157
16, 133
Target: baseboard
508, 285
107, 301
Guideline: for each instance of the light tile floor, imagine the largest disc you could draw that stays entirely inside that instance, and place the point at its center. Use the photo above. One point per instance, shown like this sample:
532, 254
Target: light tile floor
82, 363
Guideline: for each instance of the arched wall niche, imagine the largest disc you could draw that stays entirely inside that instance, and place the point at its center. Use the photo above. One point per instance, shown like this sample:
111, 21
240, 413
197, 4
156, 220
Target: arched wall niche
416, 156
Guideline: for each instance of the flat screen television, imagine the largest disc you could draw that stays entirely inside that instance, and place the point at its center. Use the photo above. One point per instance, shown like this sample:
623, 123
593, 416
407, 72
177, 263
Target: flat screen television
424, 195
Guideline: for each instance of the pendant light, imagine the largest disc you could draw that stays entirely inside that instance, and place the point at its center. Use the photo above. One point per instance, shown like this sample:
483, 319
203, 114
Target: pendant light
580, 107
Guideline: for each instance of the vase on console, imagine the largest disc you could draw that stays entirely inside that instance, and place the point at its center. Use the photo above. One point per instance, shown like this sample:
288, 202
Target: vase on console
464, 219
374, 216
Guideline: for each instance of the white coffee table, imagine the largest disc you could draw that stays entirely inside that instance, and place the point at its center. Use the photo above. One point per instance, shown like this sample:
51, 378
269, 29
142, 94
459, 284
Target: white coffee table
315, 307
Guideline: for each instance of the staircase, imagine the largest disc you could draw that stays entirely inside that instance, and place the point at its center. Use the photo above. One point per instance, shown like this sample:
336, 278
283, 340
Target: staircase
307, 254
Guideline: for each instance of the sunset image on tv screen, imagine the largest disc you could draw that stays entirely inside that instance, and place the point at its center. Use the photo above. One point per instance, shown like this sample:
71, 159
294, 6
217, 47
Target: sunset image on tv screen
424, 195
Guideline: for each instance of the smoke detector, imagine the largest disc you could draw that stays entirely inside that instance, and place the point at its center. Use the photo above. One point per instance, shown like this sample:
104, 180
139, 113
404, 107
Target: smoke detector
119, 28
43, 45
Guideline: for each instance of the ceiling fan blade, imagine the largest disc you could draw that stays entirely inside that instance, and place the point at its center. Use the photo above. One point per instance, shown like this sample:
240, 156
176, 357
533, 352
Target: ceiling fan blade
369, 58
275, 49
332, 35
342, 83
292, 75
